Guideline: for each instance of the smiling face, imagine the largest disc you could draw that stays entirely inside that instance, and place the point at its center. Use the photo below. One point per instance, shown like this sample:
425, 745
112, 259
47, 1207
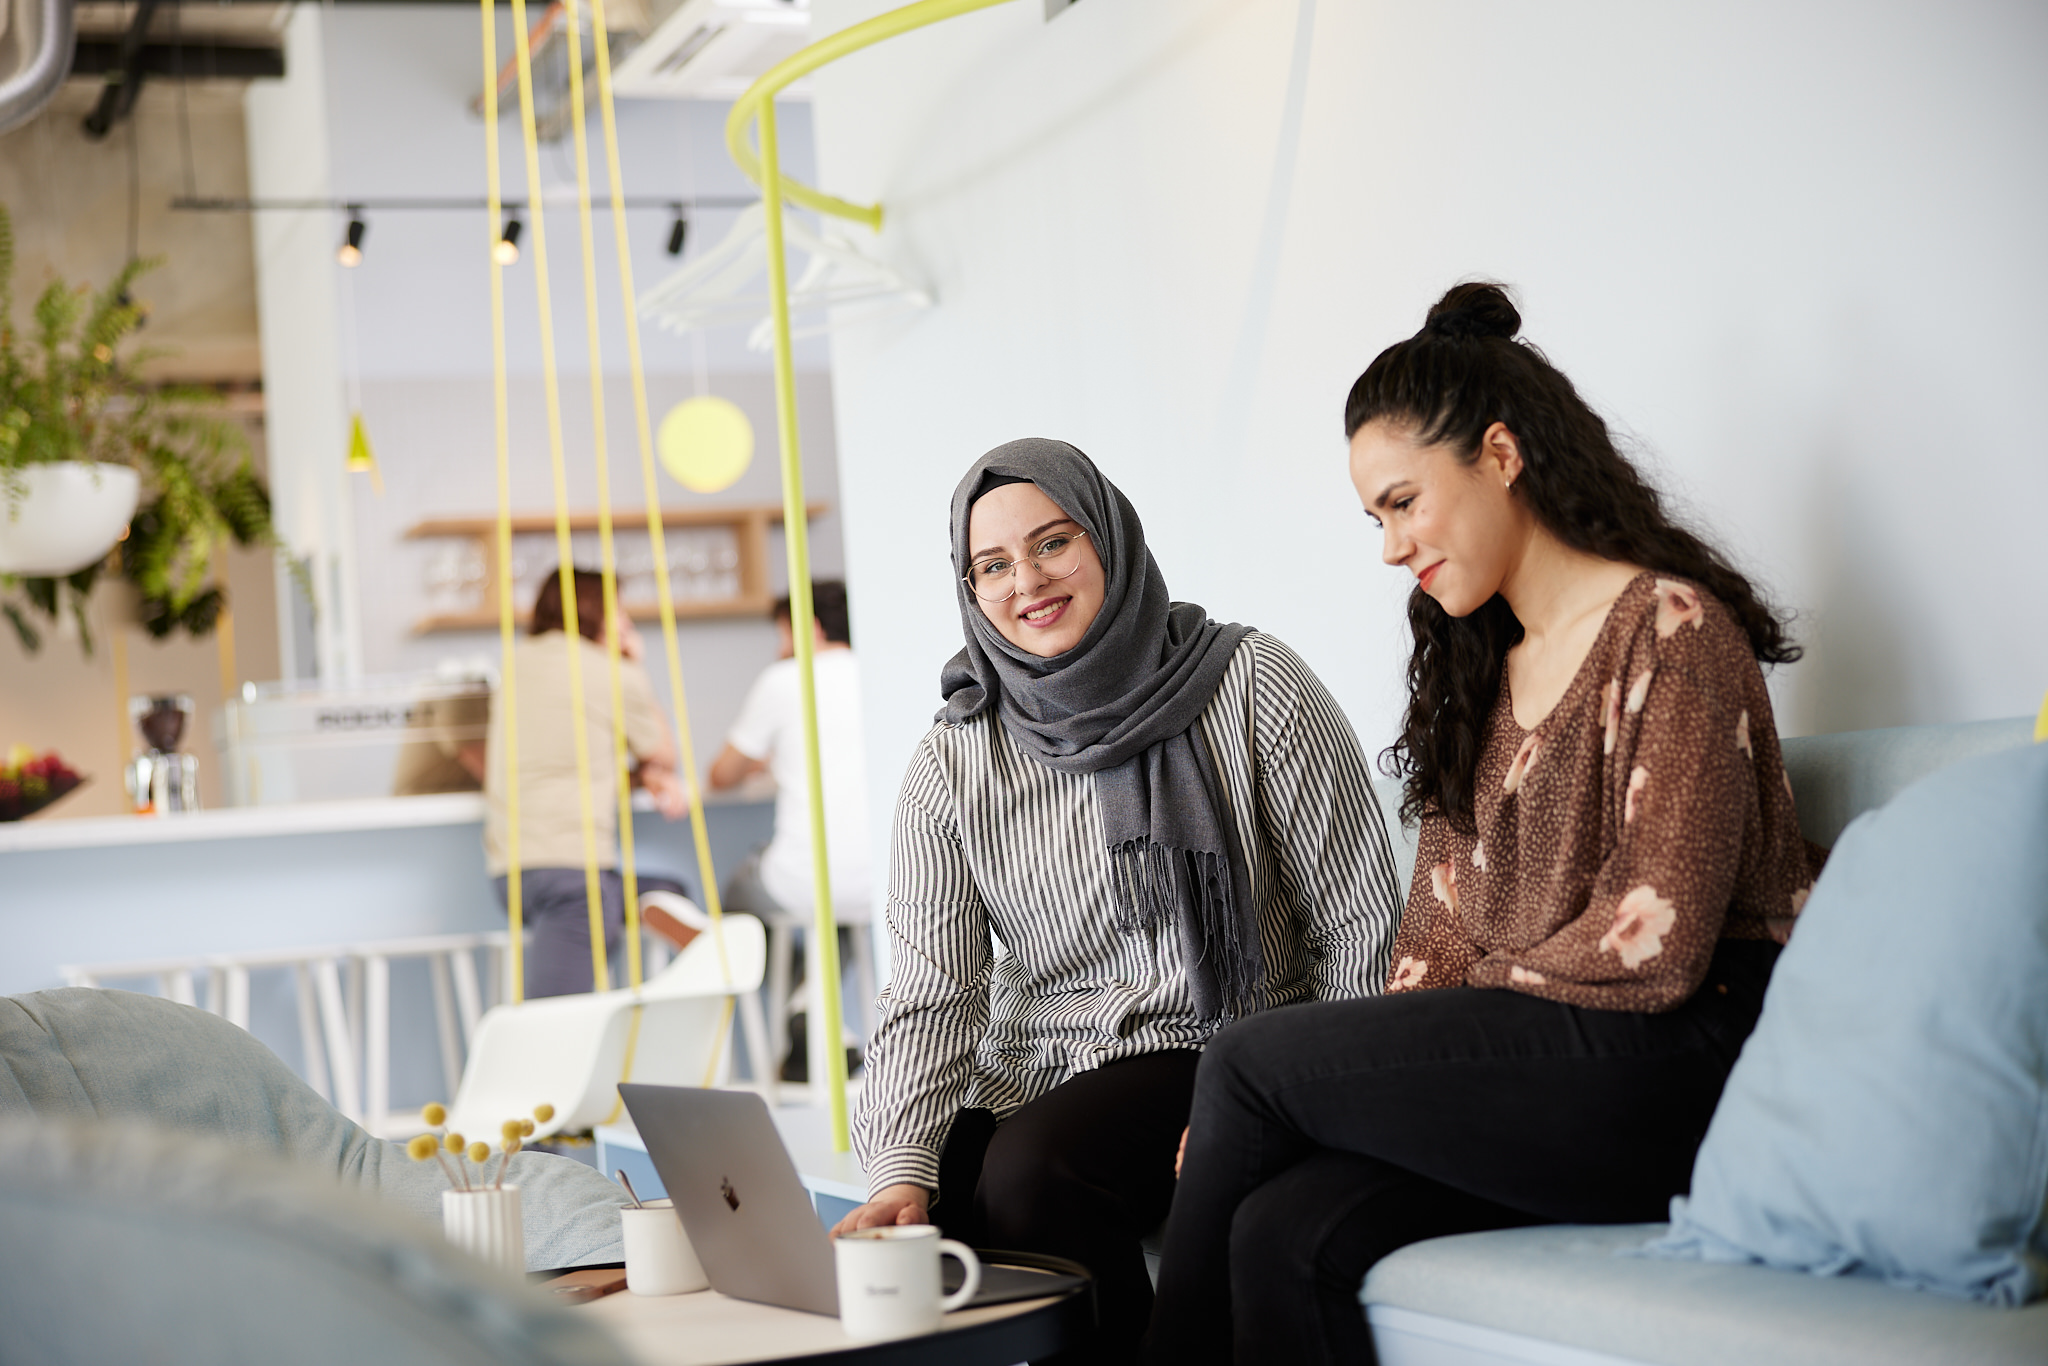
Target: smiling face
1455, 526
1045, 617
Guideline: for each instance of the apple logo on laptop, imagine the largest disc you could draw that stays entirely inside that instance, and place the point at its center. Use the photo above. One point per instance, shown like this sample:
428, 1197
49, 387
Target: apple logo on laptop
725, 1189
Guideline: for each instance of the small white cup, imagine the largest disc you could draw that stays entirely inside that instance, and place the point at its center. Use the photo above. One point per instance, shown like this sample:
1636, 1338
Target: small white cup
659, 1258
889, 1280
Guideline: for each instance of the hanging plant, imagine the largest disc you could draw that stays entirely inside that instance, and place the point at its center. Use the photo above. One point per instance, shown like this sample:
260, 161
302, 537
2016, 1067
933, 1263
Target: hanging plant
71, 393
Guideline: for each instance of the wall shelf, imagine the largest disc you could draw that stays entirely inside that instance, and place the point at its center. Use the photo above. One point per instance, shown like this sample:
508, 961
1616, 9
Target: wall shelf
717, 562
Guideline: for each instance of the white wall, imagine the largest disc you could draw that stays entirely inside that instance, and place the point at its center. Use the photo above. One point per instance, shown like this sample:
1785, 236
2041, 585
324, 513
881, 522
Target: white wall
296, 303
1791, 249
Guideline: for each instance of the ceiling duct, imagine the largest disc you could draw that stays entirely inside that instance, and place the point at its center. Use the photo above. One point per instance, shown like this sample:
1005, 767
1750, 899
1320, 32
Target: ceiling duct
712, 49
35, 56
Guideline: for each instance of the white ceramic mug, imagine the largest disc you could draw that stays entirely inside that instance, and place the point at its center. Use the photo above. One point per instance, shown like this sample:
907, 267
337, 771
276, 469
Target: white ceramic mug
659, 1258
889, 1280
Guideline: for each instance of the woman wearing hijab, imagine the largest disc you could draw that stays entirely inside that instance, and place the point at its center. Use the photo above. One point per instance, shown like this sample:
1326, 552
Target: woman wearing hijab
1130, 825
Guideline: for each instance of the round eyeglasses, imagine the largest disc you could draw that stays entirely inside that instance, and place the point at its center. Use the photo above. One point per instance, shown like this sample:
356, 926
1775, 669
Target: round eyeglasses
1055, 557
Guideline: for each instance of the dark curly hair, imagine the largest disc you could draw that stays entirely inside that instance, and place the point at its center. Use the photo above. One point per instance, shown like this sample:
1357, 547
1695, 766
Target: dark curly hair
1463, 372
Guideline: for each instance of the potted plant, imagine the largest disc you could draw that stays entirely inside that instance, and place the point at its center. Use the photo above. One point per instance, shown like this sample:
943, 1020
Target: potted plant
94, 458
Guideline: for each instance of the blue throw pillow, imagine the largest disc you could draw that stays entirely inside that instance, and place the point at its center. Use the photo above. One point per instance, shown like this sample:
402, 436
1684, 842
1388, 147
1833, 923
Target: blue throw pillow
1889, 1116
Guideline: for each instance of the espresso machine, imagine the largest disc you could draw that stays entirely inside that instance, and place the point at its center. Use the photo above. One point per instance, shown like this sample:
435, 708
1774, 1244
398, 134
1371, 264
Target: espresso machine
161, 780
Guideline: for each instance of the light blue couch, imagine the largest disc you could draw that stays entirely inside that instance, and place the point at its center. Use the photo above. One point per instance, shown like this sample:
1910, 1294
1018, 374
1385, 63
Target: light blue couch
1563, 1296
126, 1244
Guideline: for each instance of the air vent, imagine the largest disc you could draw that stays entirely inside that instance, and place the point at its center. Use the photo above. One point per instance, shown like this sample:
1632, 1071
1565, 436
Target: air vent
712, 49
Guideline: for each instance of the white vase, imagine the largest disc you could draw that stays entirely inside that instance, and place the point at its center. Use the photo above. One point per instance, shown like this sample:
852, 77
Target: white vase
486, 1224
70, 515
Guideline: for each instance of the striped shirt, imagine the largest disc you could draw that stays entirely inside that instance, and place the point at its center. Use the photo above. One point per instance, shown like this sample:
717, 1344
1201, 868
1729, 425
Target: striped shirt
1008, 972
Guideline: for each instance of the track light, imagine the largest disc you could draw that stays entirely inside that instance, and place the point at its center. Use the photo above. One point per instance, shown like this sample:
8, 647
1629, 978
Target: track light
350, 253
505, 251
678, 232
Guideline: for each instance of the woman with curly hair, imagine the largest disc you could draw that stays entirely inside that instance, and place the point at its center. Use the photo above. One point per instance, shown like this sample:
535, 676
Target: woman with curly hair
1607, 863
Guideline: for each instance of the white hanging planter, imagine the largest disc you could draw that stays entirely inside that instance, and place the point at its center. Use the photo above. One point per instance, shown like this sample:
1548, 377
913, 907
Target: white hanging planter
70, 516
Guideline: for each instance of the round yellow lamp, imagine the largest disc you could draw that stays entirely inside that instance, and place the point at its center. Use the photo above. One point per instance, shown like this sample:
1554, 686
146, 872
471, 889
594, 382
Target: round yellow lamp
705, 444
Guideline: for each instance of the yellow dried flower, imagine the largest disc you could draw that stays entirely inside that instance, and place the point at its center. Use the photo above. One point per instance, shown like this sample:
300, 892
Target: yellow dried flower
436, 1114
422, 1147
512, 1145
456, 1143
543, 1113
510, 1130
479, 1152
526, 1128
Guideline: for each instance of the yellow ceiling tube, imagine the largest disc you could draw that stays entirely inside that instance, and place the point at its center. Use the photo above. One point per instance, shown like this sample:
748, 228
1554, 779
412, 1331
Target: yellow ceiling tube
758, 106
762, 92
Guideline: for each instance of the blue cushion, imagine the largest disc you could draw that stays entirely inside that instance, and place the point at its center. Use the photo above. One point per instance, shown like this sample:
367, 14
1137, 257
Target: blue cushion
1889, 1116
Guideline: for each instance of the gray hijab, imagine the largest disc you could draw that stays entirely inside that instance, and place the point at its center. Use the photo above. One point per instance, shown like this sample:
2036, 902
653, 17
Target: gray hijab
1122, 705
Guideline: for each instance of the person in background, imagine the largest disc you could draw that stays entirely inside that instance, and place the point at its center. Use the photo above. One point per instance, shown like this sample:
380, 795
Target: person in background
551, 849
775, 883
1607, 863
449, 756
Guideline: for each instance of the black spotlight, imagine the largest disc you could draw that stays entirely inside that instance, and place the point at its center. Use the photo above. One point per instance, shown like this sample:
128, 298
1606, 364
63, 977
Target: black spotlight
506, 250
350, 253
678, 232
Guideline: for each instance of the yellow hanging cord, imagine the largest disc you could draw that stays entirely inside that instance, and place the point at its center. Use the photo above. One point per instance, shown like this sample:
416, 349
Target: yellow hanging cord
607, 558
825, 936
657, 544
651, 488
571, 630
508, 685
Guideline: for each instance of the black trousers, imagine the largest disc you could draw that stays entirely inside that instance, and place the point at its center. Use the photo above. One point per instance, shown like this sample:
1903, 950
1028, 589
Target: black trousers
1083, 1172
1326, 1136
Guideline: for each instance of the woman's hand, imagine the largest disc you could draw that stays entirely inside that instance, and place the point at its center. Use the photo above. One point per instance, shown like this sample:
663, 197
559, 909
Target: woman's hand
894, 1205
630, 645
1180, 1154
671, 798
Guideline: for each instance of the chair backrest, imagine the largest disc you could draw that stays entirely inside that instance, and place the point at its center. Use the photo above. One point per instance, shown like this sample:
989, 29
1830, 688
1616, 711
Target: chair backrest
572, 1051
120, 1243
1835, 778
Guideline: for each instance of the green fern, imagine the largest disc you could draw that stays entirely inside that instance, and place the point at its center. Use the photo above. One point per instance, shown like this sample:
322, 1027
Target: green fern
74, 394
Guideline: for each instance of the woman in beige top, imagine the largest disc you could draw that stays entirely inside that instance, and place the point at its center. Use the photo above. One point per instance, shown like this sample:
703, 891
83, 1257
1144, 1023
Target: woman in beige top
554, 890
1608, 861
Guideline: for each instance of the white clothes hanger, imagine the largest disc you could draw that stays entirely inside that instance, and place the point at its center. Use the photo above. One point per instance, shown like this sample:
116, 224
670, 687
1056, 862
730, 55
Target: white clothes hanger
728, 284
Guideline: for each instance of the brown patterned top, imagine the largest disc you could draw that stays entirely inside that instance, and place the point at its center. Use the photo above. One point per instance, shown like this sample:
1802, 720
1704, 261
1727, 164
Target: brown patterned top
1642, 821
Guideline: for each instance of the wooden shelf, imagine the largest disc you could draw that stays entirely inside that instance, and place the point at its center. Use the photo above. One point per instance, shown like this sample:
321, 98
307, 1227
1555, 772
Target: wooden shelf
748, 523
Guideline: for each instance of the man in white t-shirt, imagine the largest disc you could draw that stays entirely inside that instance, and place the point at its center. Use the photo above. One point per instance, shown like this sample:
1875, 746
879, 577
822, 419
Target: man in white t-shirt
776, 884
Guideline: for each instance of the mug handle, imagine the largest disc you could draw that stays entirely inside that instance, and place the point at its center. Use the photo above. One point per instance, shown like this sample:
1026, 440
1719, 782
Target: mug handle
969, 1263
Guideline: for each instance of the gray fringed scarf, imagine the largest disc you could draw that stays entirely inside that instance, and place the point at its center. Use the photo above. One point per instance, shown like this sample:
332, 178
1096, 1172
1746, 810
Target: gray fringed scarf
1122, 705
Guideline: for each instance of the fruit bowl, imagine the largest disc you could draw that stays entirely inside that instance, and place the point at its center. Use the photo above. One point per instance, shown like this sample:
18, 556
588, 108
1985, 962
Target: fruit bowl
28, 783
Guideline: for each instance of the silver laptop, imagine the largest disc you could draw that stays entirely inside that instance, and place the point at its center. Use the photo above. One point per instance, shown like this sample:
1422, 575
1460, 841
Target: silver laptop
749, 1219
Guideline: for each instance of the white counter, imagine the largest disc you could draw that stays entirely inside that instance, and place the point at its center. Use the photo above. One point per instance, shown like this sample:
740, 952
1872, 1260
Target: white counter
244, 822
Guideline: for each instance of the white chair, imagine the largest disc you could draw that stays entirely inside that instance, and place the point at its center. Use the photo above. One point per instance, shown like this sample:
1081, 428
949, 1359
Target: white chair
858, 920
572, 1052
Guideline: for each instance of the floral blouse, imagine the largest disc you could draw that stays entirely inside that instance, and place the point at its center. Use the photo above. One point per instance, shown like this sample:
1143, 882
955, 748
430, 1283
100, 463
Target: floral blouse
1645, 819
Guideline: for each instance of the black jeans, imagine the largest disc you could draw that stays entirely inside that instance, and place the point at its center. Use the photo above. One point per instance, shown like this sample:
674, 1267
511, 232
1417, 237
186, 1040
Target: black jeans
1083, 1172
1326, 1136
557, 911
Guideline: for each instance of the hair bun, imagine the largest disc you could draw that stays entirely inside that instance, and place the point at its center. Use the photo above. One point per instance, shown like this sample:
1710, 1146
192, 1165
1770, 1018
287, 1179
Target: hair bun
1477, 308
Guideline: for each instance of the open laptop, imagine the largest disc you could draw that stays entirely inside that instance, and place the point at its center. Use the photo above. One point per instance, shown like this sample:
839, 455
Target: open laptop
749, 1218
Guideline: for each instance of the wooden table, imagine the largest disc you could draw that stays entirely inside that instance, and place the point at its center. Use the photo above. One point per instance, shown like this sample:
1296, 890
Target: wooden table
710, 1329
